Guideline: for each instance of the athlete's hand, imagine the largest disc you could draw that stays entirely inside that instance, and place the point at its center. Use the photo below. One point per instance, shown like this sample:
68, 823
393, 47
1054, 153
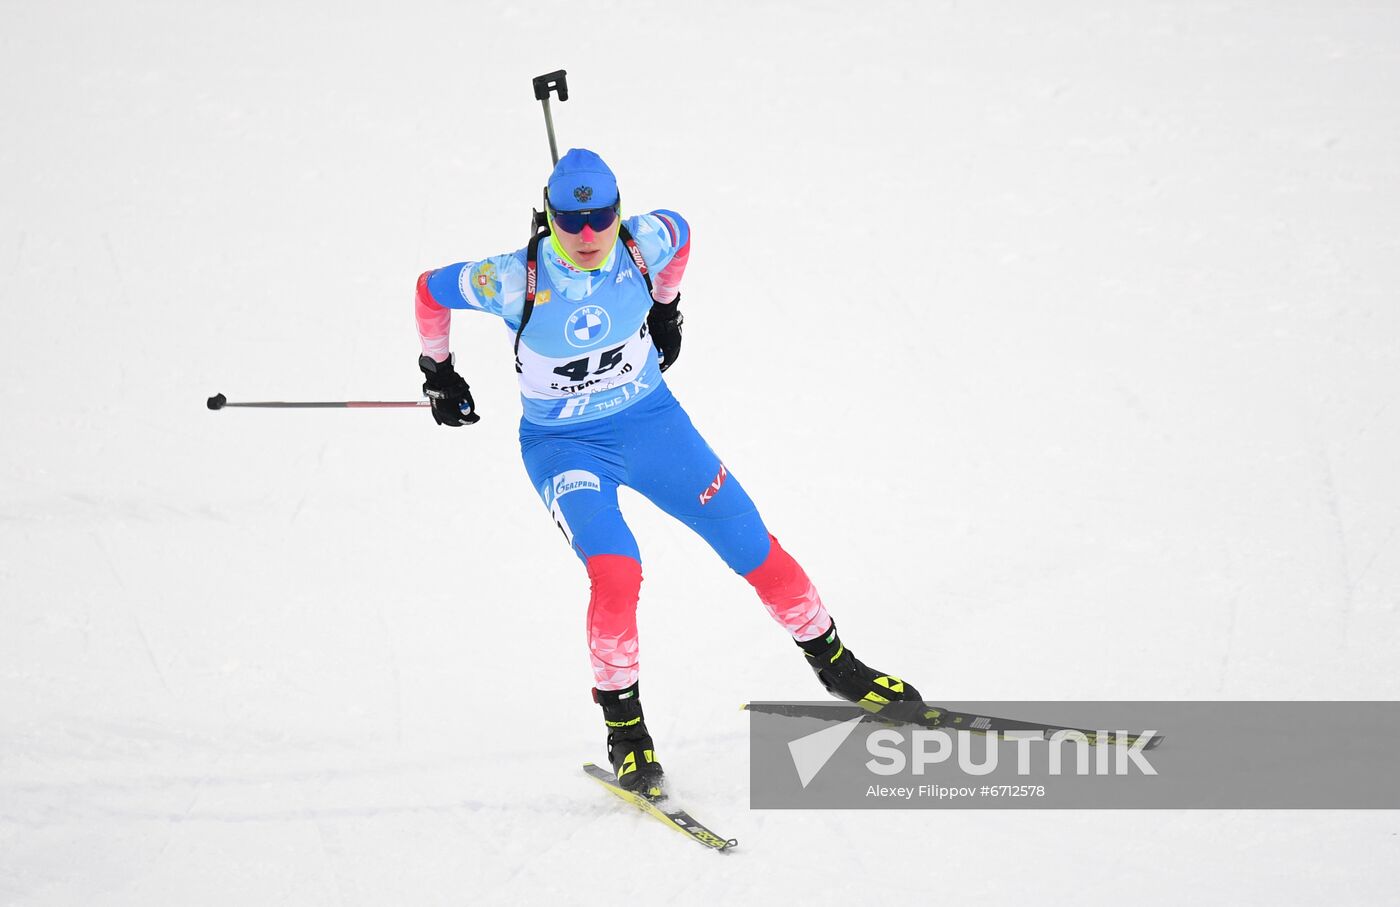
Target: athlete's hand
449, 393
664, 322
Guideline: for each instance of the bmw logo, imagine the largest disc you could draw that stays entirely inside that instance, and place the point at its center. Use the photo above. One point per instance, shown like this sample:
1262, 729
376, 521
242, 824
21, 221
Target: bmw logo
586, 326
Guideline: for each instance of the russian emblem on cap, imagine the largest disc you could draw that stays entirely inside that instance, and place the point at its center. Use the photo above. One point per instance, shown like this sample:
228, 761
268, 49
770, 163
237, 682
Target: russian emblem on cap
583, 193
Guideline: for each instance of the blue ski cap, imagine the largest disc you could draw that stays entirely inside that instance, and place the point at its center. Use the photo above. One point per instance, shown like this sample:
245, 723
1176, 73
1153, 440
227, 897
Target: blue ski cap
581, 181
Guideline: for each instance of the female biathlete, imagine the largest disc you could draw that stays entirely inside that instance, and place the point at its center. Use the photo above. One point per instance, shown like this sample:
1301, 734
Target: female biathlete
594, 314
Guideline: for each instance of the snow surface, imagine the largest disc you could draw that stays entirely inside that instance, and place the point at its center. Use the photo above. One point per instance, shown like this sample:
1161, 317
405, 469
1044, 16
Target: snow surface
1060, 342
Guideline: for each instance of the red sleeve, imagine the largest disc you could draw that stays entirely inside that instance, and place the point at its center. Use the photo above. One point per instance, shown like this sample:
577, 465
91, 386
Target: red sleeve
434, 321
667, 284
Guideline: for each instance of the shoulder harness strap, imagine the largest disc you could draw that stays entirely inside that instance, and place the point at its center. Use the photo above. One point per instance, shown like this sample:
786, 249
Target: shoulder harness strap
635, 252
532, 272
532, 280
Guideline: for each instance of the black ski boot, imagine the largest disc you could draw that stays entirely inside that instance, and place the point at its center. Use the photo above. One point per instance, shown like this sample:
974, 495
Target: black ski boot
630, 750
847, 677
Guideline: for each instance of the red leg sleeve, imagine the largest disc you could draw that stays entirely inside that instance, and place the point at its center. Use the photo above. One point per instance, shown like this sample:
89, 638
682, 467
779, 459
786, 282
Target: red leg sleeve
789, 595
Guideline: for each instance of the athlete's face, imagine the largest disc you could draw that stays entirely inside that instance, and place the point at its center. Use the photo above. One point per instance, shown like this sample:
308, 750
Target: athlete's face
588, 247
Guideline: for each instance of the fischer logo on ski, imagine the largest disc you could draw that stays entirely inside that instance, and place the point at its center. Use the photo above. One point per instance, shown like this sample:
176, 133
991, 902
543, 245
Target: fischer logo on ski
659, 809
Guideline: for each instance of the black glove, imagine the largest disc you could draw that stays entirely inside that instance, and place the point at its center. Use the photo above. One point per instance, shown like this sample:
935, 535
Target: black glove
451, 397
664, 322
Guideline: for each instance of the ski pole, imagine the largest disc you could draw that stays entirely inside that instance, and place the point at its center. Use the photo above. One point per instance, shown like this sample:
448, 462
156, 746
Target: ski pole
219, 401
551, 81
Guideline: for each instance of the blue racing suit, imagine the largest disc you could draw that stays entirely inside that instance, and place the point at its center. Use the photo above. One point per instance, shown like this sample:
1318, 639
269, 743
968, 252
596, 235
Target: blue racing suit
598, 415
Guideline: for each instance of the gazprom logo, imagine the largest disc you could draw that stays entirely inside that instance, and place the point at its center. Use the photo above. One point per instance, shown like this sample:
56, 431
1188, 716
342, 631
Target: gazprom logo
574, 480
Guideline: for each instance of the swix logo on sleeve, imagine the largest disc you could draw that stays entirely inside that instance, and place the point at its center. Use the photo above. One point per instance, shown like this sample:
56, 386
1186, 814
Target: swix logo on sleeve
711, 491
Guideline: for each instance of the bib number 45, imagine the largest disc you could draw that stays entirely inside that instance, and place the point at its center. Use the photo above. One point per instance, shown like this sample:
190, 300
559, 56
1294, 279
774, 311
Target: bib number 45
580, 369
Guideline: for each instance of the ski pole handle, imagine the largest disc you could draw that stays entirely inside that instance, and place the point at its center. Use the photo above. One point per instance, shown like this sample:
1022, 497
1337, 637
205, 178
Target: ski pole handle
551, 82
219, 401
